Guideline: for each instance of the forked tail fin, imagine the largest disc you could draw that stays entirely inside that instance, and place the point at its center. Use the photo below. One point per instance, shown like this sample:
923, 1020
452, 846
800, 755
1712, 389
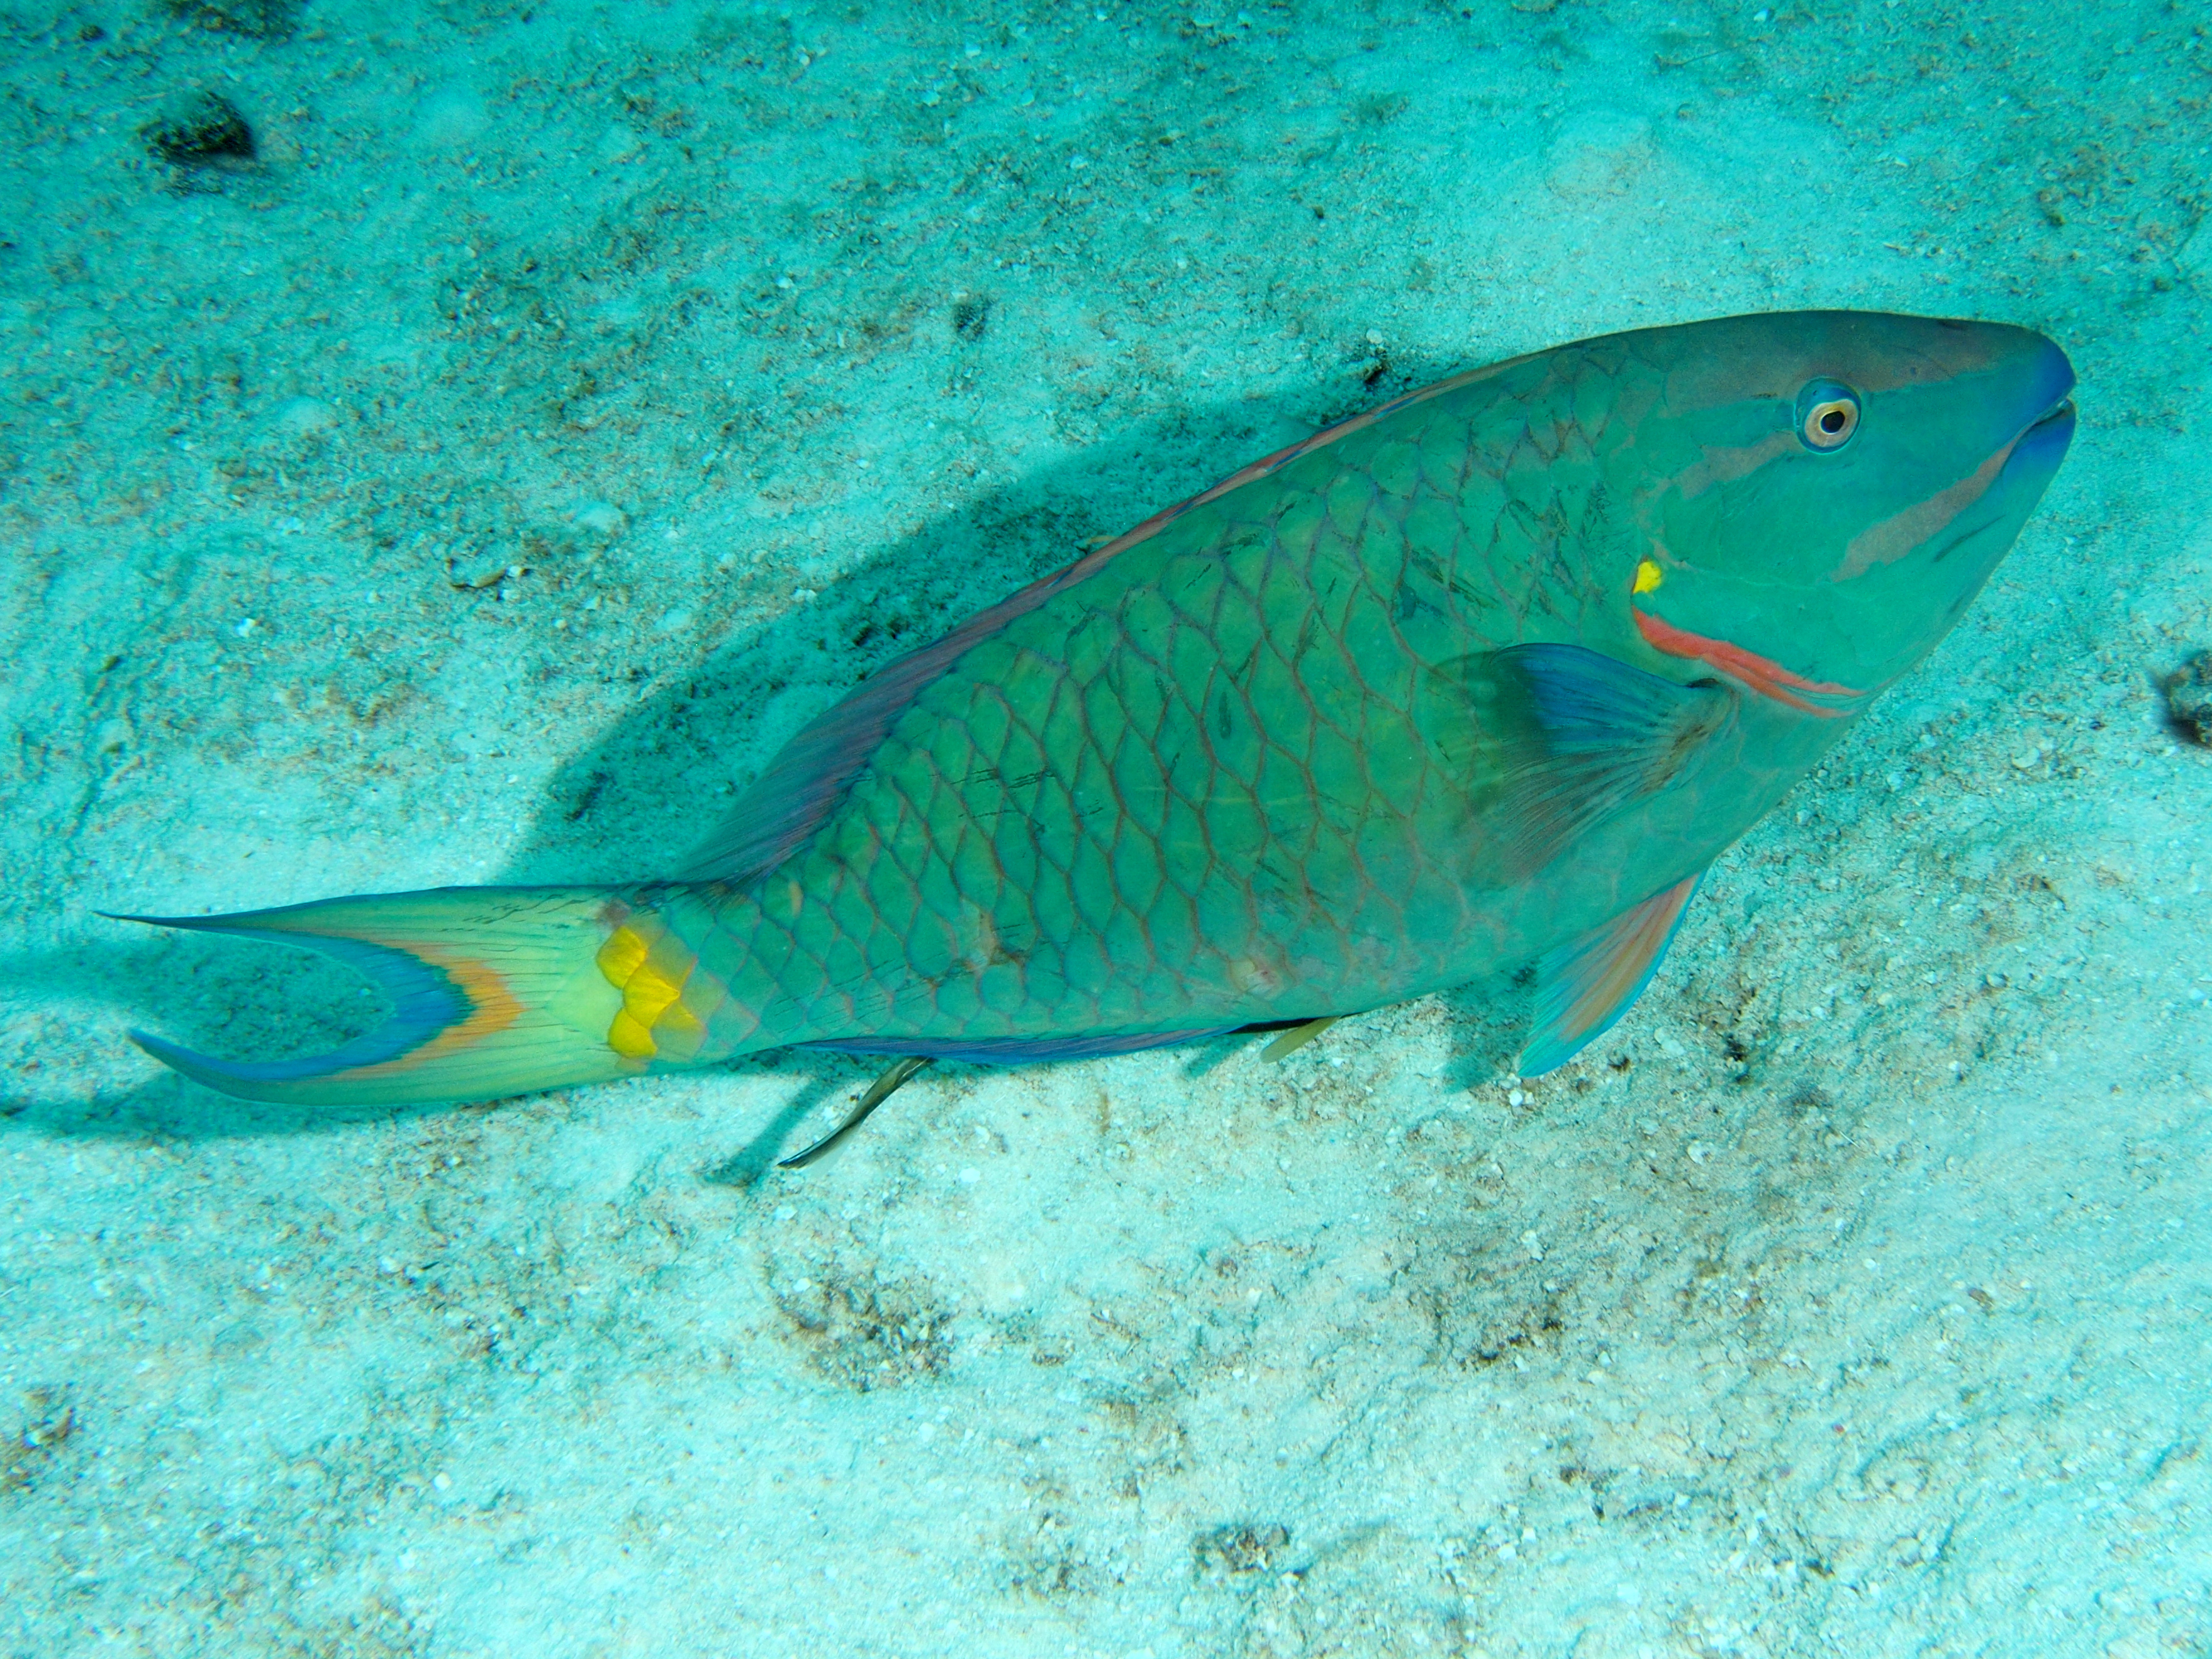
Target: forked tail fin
494, 990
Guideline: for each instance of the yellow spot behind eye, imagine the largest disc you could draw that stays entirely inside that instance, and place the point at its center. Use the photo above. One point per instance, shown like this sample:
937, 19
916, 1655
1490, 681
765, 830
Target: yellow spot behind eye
1648, 576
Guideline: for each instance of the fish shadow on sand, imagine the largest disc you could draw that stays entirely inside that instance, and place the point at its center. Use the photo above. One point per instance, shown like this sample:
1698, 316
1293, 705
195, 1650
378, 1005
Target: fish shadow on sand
629, 805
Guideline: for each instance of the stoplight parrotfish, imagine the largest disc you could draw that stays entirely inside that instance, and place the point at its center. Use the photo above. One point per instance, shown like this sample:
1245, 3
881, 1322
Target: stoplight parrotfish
1482, 679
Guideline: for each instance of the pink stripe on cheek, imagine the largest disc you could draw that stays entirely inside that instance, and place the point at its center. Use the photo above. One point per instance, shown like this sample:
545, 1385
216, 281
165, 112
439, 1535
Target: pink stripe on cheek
1902, 531
1767, 677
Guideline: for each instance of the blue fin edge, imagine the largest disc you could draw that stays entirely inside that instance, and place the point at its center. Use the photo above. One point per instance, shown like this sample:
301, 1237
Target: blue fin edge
1018, 1051
424, 1001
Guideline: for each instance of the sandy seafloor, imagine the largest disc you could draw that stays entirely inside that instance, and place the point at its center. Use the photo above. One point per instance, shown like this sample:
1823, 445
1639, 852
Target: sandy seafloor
1850, 1299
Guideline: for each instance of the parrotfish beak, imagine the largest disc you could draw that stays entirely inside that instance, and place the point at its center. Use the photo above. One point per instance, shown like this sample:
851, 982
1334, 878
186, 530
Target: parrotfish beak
2043, 446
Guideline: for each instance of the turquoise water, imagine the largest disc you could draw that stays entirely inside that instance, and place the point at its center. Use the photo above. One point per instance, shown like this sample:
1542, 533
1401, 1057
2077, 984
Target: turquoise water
562, 403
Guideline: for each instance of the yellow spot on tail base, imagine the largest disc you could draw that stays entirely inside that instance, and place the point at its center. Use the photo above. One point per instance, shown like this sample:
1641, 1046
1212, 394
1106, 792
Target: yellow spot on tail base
647, 993
1649, 575
620, 956
629, 1039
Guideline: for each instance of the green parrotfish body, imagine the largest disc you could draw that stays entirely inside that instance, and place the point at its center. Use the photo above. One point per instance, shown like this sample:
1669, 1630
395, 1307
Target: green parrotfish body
1481, 680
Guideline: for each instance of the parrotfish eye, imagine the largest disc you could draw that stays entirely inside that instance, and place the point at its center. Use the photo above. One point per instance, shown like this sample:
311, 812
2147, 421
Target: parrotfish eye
1827, 415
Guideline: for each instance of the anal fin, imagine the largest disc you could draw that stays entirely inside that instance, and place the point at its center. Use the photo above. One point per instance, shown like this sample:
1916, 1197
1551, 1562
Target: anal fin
1017, 1051
1585, 986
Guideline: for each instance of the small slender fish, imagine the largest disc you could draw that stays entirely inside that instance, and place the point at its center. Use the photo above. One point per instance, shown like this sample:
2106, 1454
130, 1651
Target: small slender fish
1478, 681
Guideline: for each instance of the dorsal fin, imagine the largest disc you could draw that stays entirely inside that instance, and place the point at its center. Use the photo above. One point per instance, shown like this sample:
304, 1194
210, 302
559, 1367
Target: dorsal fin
811, 774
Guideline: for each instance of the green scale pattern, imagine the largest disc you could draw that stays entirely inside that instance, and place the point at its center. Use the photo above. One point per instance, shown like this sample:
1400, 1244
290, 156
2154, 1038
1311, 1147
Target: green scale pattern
1227, 777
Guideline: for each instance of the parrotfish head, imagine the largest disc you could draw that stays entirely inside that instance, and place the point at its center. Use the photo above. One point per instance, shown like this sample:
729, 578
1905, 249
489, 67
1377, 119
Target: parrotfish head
1820, 495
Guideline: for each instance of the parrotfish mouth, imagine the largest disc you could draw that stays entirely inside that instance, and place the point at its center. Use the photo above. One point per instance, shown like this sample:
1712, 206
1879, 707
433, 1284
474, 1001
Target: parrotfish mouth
1823, 698
2056, 422
2040, 443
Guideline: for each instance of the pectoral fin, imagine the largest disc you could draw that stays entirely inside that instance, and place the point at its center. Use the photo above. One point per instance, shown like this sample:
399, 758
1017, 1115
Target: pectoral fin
1566, 737
1585, 986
